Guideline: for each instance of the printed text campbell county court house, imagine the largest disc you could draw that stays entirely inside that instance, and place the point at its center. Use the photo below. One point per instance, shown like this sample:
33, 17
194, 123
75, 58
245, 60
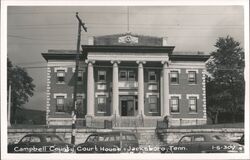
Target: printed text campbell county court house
129, 80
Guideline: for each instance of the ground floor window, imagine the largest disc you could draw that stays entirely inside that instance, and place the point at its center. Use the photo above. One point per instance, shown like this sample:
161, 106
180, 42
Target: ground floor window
174, 102
60, 104
102, 101
153, 107
192, 104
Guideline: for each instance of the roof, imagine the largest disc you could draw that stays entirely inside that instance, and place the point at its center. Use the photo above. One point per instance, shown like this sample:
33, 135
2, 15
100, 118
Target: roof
122, 49
60, 55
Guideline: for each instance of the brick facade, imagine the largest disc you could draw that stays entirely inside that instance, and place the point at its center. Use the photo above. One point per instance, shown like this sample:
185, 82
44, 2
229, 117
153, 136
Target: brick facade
188, 89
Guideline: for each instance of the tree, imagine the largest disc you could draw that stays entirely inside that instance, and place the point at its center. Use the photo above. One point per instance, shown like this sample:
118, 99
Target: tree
22, 87
226, 85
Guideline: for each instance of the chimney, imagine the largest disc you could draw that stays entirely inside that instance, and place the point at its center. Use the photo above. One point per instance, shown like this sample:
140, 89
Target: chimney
90, 40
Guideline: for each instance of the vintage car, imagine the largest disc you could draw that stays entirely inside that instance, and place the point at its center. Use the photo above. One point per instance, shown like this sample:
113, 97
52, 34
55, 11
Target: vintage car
41, 143
241, 140
109, 142
202, 143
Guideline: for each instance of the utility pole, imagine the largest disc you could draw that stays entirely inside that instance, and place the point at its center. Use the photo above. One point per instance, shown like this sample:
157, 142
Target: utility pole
80, 24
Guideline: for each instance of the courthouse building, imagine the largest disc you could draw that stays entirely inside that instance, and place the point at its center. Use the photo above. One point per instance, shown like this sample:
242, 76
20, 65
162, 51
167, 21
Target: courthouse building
129, 80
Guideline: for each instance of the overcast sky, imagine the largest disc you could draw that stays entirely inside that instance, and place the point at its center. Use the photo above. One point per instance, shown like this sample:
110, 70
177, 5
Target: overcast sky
34, 30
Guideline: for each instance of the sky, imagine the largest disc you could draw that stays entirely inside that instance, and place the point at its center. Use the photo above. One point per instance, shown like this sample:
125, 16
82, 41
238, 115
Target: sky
35, 30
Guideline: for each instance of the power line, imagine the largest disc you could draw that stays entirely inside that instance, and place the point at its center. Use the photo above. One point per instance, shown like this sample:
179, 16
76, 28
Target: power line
119, 24
124, 13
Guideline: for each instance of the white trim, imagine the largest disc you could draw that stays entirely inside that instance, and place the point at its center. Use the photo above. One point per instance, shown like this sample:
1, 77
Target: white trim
152, 94
101, 88
79, 94
175, 95
127, 56
192, 95
174, 70
65, 69
61, 63
128, 93
192, 70
101, 94
151, 86
80, 69
60, 94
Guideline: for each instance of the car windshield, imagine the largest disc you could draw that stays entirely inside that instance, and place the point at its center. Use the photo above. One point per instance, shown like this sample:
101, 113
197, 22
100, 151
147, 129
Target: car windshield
53, 139
217, 138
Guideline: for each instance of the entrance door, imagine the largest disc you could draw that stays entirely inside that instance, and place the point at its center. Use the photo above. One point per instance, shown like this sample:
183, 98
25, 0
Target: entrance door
124, 108
127, 105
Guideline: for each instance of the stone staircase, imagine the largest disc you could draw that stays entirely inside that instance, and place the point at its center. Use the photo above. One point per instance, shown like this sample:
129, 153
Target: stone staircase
147, 137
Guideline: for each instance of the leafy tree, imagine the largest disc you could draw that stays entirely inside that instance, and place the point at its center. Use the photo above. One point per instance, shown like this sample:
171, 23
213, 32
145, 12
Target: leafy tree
226, 85
22, 87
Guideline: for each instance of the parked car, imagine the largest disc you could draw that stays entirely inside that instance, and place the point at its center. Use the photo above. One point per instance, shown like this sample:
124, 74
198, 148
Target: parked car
241, 140
202, 143
41, 143
109, 142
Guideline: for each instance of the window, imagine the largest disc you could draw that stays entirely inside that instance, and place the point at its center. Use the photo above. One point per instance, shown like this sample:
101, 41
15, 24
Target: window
127, 75
131, 75
192, 104
153, 104
151, 76
34, 139
79, 100
101, 104
192, 77
25, 139
199, 138
60, 76
186, 139
131, 138
80, 76
101, 76
174, 104
92, 139
174, 77
60, 104
123, 75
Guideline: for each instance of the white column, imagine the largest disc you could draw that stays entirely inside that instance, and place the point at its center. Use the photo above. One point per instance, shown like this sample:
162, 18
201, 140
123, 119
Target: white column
90, 90
115, 91
140, 88
165, 111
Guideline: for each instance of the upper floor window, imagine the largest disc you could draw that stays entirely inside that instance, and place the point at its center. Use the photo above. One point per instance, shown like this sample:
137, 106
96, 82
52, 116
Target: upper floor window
60, 76
153, 104
192, 77
101, 76
123, 75
131, 75
101, 101
192, 104
60, 104
127, 75
174, 101
174, 77
151, 76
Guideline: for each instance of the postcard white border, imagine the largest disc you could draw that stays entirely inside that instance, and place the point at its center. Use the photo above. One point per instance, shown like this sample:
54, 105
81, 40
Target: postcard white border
6, 3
